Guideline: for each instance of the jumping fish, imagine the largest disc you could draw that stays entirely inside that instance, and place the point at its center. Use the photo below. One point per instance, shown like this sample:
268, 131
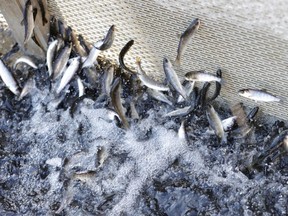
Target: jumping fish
229, 123
102, 155
277, 142
285, 143
78, 48
216, 123
188, 87
93, 54
43, 8
172, 78
147, 81
203, 94
186, 38
84, 43
258, 95
53, 28
242, 122
68, 34
159, 96
69, 73
122, 53
28, 20
26, 60
179, 112
201, 76
217, 86
13, 50
252, 114
133, 110
108, 79
107, 42
61, 61
116, 102
50, 56
81, 88
8, 79
27, 88
181, 132
61, 29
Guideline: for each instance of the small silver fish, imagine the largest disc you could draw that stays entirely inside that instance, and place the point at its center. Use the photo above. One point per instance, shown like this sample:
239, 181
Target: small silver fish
241, 119
116, 102
28, 20
172, 78
8, 79
61, 61
43, 8
258, 95
27, 88
109, 115
188, 88
26, 60
202, 76
229, 123
122, 54
147, 81
69, 73
81, 88
216, 123
50, 56
181, 132
107, 42
186, 38
108, 79
134, 112
102, 155
84, 43
285, 143
178, 112
92, 57
159, 96
78, 48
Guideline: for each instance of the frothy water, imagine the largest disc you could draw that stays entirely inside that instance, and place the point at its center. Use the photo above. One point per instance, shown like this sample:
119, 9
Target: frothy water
87, 165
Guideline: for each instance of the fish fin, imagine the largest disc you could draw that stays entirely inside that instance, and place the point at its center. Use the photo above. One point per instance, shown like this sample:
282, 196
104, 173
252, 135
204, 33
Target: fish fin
138, 60
263, 89
22, 22
281, 100
177, 61
178, 35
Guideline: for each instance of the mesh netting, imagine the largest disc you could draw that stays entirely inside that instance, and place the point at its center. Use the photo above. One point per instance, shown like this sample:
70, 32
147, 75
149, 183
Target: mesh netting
251, 52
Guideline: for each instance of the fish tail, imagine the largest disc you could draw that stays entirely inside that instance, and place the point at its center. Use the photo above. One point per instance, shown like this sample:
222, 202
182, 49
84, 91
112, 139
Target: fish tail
138, 60
125, 124
25, 37
280, 100
177, 61
224, 139
222, 82
186, 98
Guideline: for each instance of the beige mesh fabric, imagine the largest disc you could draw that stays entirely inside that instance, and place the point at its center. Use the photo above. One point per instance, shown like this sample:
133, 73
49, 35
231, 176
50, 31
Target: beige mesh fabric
241, 38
